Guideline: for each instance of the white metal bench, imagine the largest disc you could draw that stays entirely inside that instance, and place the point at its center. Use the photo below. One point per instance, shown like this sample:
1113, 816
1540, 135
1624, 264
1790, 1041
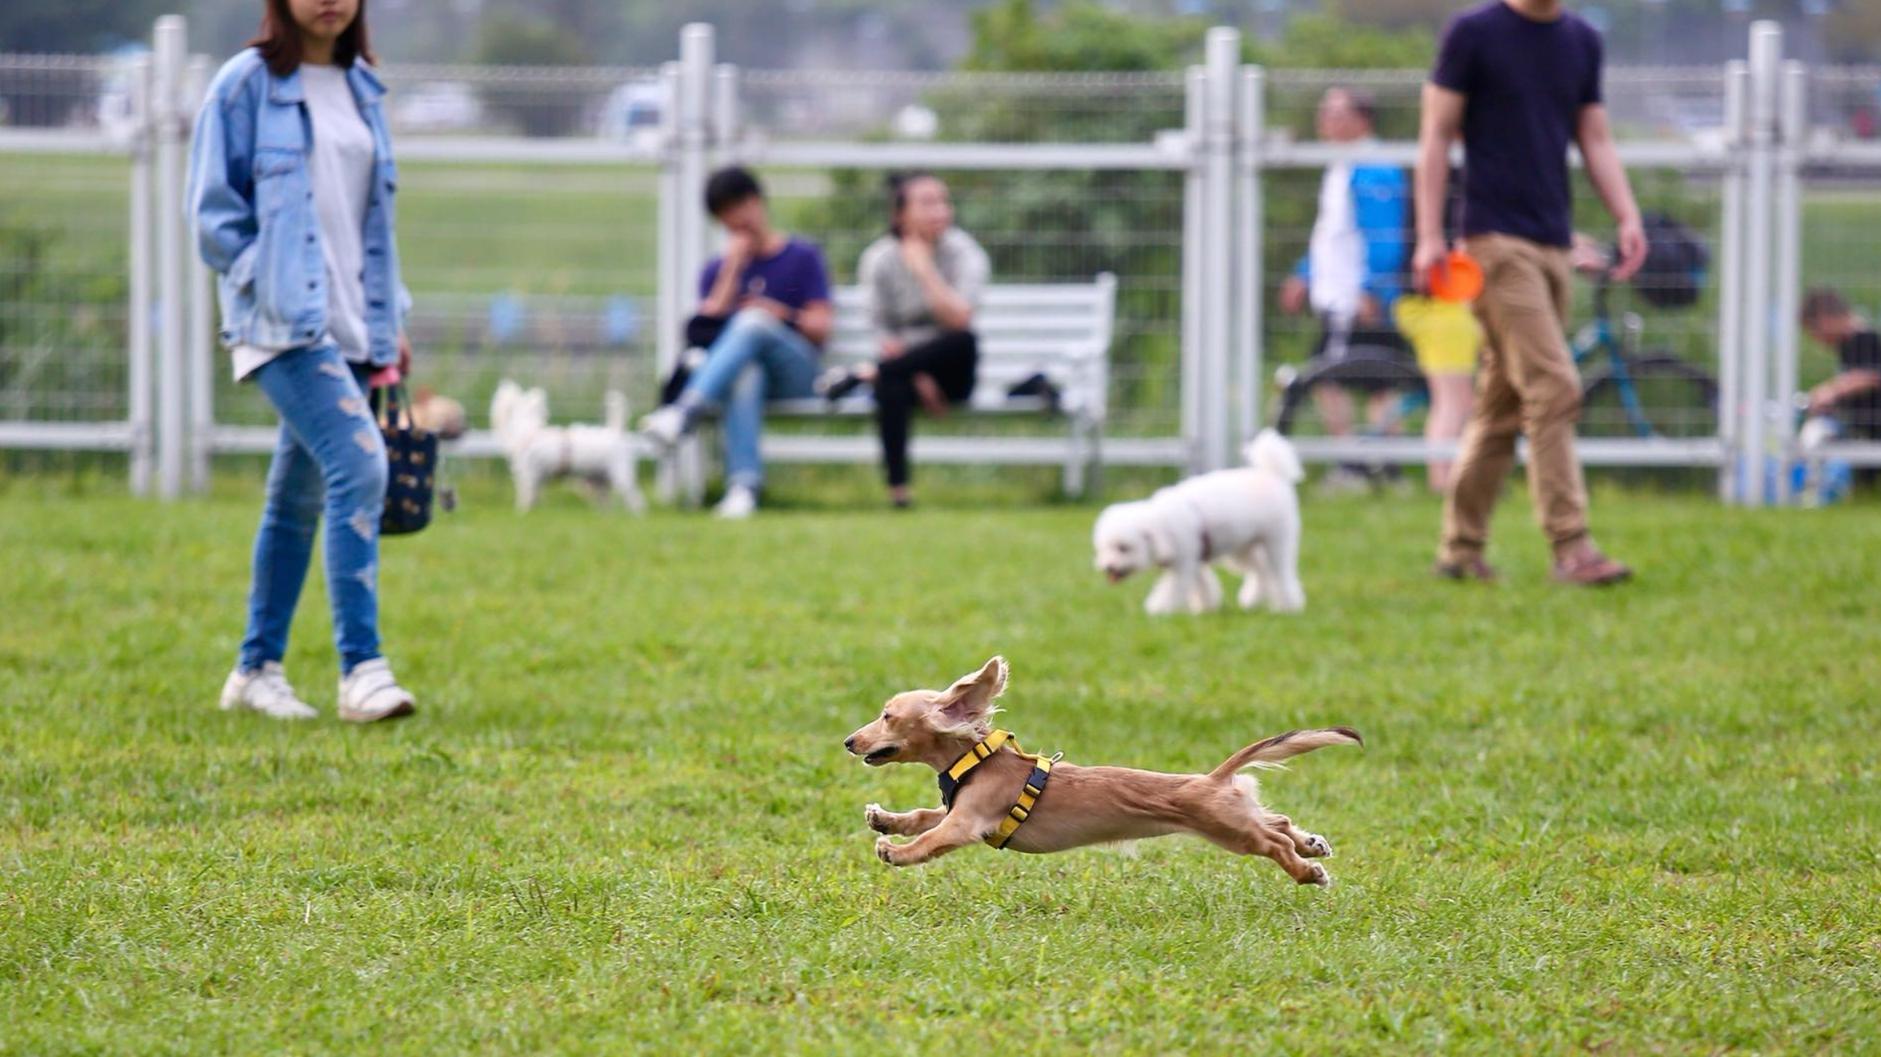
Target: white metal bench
1062, 331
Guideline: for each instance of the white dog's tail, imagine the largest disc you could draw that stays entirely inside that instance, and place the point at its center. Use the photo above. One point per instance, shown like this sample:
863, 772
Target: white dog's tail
616, 410
1281, 746
1272, 452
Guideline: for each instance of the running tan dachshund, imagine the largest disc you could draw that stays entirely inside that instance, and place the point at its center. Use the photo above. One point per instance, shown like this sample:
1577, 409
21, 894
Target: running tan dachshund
992, 791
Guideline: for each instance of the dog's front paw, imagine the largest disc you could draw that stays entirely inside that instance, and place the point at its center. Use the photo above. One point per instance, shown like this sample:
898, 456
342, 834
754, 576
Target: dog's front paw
1317, 876
885, 850
873, 816
1317, 847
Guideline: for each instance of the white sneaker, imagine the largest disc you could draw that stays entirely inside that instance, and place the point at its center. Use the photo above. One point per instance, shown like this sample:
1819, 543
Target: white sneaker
664, 425
740, 502
369, 693
265, 690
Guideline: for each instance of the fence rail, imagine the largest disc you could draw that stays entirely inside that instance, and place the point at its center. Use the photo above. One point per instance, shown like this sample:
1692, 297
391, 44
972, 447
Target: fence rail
550, 230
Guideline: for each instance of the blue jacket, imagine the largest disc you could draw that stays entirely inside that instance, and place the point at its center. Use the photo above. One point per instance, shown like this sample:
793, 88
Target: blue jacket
1381, 204
253, 211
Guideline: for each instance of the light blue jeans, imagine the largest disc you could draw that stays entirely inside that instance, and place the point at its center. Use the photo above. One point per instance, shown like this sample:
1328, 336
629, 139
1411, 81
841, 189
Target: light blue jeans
330, 458
758, 358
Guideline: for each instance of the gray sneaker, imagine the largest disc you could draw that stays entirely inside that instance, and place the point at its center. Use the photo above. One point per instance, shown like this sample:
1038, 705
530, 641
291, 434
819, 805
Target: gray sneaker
369, 693
265, 690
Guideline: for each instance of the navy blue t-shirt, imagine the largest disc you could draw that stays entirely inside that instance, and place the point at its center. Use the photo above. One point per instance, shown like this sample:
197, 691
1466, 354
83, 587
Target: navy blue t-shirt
794, 275
1526, 82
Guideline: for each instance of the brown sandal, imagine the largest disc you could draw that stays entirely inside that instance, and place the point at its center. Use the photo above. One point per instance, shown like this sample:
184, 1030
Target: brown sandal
1593, 570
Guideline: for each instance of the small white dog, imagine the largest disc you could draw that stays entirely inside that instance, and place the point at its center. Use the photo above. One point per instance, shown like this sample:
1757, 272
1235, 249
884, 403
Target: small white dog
601, 455
1246, 519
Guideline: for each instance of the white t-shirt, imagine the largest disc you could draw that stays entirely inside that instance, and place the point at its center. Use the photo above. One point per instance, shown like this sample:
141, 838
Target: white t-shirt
1336, 255
340, 169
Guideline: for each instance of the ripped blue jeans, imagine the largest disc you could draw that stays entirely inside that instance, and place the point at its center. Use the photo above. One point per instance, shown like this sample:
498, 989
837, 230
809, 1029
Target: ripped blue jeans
330, 459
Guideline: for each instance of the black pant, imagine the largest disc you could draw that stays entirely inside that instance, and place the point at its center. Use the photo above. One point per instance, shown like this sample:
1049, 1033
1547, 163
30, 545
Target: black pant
950, 360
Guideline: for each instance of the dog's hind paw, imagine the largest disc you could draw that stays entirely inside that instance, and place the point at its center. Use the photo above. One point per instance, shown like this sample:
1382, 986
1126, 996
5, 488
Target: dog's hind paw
873, 816
1317, 847
1317, 876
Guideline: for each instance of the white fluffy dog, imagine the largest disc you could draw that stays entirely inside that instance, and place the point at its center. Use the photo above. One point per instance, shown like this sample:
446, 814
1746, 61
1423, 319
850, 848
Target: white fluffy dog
1246, 519
601, 455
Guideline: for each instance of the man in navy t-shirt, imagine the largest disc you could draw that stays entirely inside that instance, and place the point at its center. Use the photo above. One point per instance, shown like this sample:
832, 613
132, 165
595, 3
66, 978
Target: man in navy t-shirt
1517, 81
771, 292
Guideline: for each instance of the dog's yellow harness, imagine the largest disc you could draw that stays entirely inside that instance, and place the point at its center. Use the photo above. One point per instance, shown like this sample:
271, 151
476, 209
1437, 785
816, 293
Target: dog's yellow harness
953, 777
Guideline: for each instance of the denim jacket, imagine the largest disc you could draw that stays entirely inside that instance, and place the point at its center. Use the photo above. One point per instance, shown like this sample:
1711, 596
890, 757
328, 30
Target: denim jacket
253, 211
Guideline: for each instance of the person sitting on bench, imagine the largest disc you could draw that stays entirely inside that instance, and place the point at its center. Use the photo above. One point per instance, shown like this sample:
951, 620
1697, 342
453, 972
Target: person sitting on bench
923, 282
768, 299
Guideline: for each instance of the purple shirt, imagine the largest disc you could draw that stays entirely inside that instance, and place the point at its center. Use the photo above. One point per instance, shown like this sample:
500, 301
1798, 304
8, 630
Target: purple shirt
794, 275
1526, 83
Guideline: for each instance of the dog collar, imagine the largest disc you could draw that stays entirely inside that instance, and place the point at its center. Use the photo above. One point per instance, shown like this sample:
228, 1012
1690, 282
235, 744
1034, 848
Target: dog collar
953, 777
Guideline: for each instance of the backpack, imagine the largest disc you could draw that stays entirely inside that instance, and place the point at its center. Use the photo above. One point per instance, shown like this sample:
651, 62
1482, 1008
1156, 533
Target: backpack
1676, 262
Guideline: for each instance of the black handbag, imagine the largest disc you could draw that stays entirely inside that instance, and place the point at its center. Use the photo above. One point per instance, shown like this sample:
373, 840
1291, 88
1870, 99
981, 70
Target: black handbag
701, 332
411, 456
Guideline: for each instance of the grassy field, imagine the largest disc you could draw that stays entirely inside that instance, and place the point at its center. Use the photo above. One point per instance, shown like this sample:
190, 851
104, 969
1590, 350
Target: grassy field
1644, 820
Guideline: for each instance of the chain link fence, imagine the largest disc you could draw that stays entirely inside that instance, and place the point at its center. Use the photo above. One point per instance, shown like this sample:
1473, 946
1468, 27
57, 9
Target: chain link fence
64, 241
529, 211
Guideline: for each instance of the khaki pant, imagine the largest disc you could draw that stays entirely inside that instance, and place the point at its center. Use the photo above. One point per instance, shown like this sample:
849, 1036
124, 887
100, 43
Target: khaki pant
1527, 385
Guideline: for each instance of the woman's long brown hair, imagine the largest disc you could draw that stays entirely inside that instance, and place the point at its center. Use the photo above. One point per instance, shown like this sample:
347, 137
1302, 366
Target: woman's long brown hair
279, 40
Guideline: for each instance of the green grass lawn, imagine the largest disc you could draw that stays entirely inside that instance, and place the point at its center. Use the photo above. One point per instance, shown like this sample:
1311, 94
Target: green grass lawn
1643, 820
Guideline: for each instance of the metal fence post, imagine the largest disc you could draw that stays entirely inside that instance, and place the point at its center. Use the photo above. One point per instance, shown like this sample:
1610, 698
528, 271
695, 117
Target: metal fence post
138, 325
1731, 280
1223, 49
200, 357
1766, 50
696, 46
726, 113
1793, 124
1195, 101
169, 50
1249, 243
668, 282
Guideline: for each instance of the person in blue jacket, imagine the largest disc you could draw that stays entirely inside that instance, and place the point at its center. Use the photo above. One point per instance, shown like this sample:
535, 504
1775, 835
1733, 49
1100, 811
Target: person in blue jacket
1354, 267
291, 187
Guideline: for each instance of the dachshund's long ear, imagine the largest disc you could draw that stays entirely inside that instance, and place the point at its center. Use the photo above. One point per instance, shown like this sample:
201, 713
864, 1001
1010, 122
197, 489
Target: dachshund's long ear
969, 702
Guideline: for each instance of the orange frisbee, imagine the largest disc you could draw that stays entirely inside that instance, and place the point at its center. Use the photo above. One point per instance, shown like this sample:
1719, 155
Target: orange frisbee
1456, 277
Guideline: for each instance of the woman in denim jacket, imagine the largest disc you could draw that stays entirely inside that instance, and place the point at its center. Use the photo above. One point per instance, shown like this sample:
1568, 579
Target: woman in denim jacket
291, 182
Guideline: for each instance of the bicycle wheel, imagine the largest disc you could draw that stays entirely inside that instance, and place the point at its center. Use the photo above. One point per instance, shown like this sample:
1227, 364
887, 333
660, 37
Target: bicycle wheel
1661, 396
1360, 370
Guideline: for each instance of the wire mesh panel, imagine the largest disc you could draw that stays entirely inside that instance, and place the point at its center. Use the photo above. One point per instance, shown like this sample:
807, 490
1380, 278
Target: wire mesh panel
537, 273
613, 104
64, 241
1647, 350
962, 107
1841, 233
1058, 225
521, 265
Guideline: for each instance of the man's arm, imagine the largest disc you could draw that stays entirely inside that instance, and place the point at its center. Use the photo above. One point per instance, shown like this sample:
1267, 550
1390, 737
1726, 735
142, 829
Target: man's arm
1824, 397
1595, 138
1439, 127
815, 320
722, 299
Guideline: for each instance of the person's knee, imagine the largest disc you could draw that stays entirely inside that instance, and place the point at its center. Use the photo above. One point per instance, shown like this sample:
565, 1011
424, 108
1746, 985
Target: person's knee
747, 321
297, 508
1553, 402
358, 474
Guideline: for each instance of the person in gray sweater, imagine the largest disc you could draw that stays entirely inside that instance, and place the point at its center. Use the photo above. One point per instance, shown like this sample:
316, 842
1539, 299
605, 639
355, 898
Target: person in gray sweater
923, 280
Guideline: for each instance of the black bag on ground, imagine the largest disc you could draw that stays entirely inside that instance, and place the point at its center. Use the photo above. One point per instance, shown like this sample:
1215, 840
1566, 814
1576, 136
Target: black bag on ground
1676, 261
411, 456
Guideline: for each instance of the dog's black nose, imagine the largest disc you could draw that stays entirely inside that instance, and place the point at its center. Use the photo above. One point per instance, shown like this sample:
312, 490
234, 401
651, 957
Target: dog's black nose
850, 743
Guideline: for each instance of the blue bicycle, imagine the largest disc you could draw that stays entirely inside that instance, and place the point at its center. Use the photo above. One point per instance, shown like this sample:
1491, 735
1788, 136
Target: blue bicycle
1626, 391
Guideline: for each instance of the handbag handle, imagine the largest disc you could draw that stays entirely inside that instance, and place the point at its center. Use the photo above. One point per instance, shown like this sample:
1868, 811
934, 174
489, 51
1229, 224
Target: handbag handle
396, 400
